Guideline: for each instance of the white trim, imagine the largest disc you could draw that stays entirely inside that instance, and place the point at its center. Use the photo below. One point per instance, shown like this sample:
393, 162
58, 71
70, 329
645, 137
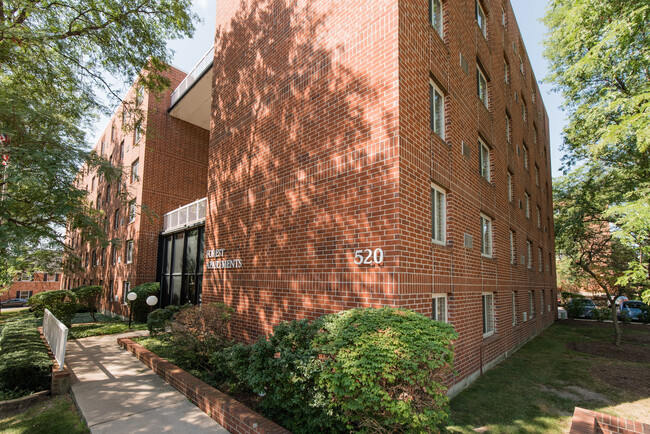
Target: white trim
488, 332
482, 83
443, 193
437, 26
481, 19
485, 170
434, 310
490, 233
432, 105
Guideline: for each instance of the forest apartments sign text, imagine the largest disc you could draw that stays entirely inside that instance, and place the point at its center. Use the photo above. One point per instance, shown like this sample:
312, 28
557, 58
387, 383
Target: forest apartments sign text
220, 264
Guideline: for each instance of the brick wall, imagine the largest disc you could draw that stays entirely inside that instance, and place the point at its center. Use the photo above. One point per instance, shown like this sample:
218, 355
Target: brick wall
39, 284
321, 145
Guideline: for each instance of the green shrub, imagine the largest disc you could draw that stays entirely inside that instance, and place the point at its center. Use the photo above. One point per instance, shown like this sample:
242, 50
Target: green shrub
625, 317
140, 307
383, 369
575, 306
25, 366
159, 319
602, 313
88, 297
62, 304
201, 330
284, 369
644, 317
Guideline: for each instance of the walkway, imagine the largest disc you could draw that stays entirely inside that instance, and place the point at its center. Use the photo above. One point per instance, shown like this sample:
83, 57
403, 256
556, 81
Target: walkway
116, 393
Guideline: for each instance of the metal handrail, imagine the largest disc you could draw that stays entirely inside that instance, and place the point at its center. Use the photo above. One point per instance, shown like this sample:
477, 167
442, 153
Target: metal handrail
187, 215
195, 73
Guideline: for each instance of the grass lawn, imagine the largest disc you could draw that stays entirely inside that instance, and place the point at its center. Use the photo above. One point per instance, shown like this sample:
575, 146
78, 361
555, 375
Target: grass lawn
54, 416
104, 328
571, 364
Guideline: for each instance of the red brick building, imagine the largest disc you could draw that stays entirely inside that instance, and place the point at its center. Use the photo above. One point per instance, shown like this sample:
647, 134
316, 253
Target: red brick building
360, 154
27, 284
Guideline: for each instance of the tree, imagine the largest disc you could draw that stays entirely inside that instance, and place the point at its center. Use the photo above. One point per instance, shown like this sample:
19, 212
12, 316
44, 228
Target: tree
597, 52
55, 60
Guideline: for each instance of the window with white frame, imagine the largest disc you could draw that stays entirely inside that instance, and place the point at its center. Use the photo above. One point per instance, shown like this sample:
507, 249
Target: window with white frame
486, 236
113, 255
506, 71
541, 302
514, 308
137, 133
536, 175
126, 288
531, 304
508, 128
540, 259
438, 214
504, 17
511, 194
525, 152
116, 219
132, 211
480, 18
435, 15
135, 171
527, 204
439, 307
524, 110
481, 86
535, 135
488, 314
539, 218
129, 252
529, 253
513, 252
437, 107
484, 160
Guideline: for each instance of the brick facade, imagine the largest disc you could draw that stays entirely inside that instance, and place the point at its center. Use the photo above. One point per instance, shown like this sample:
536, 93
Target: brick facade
321, 144
38, 282
172, 171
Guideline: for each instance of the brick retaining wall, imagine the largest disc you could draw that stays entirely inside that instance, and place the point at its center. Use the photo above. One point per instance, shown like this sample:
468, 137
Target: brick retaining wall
588, 422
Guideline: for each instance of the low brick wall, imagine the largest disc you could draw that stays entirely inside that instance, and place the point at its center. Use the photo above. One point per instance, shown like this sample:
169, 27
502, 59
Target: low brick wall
61, 378
591, 422
230, 413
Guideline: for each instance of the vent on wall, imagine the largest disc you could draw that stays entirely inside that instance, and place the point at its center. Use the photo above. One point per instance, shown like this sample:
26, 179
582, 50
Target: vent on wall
525, 316
523, 260
467, 152
463, 64
468, 241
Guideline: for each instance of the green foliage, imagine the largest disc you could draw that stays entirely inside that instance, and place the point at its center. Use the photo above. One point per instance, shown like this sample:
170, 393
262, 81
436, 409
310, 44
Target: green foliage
384, 369
140, 307
625, 317
284, 369
644, 316
103, 328
602, 313
574, 306
58, 415
88, 297
62, 304
202, 330
25, 366
159, 319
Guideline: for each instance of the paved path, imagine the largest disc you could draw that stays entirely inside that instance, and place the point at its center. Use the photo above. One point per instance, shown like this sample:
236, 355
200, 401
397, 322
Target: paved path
116, 393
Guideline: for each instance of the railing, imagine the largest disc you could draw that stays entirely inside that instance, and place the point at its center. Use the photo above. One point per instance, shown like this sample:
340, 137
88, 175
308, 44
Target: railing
56, 335
201, 66
185, 216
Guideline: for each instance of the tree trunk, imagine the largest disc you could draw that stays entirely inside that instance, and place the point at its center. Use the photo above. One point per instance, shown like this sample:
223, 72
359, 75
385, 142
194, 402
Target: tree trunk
617, 328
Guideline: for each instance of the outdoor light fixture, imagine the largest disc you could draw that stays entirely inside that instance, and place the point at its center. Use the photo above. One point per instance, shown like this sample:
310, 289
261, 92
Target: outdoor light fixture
152, 300
131, 296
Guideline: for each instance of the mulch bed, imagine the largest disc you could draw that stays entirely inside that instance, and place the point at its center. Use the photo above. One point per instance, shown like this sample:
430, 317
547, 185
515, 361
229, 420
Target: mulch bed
626, 352
593, 323
634, 379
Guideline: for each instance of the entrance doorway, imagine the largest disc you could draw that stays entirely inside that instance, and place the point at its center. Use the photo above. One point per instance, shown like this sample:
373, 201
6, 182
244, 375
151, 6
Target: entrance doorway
180, 267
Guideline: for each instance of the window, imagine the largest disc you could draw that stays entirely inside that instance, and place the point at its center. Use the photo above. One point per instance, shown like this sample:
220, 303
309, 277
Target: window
506, 72
438, 213
536, 175
122, 150
513, 252
435, 15
136, 137
113, 255
480, 18
488, 314
486, 236
539, 218
540, 259
102, 148
484, 160
92, 184
511, 193
94, 261
103, 256
525, 152
139, 95
504, 17
439, 307
23, 294
514, 308
535, 135
135, 167
124, 116
524, 111
110, 290
116, 219
129, 252
508, 128
534, 95
527, 199
108, 194
481, 86
437, 106
126, 288
521, 65
529, 252
132, 211
531, 304
86, 260
99, 200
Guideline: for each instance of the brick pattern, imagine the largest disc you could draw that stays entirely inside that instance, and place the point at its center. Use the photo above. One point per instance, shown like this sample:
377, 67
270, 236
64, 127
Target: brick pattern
231, 414
35, 286
592, 422
321, 145
172, 165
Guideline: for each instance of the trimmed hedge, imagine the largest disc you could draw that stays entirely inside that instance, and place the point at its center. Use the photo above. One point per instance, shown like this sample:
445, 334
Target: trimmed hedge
88, 297
62, 304
25, 366
140, 307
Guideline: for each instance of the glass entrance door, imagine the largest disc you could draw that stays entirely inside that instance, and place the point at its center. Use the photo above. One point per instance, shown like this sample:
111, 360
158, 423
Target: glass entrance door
180, 264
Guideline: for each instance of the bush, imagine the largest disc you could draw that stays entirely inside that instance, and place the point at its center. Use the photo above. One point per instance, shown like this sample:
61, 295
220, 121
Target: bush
25, 366
575, 306
140, 307
284, 369
88, 296
644, 317
201, 330
159, 319
624, 317
62, 304
602, 313
383, 369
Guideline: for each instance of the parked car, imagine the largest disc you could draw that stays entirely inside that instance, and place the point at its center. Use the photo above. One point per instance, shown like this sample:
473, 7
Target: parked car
15, 302
631, 308
580, 307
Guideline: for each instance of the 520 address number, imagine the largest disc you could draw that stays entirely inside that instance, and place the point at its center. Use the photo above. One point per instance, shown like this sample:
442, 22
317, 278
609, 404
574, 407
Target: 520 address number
368, 257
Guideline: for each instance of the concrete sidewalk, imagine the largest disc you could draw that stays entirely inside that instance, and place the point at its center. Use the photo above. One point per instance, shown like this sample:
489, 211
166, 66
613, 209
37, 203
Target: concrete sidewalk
116, 393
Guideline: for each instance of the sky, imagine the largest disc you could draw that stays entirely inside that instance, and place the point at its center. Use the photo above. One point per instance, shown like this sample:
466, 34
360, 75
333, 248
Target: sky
188, 52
